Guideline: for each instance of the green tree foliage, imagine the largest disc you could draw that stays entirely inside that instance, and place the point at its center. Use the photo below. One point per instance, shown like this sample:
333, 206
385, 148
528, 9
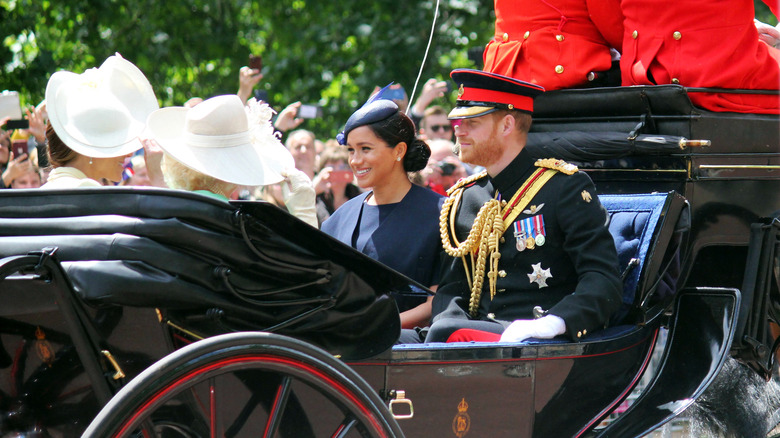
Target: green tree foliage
322, 52
331, 53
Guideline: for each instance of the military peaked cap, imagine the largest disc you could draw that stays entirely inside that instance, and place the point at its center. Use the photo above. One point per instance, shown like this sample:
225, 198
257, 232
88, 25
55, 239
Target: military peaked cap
481, 92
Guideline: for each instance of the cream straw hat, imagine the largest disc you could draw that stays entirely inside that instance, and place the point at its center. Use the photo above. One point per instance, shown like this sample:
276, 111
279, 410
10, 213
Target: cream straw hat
224, 139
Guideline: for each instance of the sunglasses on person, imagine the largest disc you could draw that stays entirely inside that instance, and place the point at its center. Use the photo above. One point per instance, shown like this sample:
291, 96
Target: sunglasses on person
444, 128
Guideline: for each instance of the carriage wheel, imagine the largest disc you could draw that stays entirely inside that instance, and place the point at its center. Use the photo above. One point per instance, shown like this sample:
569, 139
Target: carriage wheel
246, 384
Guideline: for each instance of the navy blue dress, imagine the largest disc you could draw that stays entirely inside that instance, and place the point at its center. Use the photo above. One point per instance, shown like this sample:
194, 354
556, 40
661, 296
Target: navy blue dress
404, 236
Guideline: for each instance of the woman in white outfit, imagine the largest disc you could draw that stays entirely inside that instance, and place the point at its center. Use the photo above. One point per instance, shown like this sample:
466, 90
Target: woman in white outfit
221, 144
95, 119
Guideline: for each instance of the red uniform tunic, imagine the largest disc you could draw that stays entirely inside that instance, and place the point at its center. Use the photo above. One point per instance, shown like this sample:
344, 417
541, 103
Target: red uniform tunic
701, 43
552, 43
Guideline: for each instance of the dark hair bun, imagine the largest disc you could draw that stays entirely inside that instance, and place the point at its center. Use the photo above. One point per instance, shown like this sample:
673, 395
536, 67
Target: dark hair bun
417, 154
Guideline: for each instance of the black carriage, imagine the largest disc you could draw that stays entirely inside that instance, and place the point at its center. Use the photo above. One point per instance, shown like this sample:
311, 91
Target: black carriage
164, 313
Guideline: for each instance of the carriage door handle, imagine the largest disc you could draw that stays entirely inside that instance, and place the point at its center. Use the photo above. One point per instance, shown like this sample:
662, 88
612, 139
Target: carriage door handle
118, 374
399, 398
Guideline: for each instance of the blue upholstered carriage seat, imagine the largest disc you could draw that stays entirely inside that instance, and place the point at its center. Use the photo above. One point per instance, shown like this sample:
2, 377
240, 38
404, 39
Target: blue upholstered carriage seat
633, 220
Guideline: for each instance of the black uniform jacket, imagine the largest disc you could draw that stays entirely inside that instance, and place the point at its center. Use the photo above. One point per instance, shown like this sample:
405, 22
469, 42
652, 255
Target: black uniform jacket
573, 274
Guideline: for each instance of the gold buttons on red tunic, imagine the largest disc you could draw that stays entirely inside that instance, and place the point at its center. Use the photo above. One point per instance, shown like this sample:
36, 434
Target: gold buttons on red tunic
634, 34
677, 35
526, 34
559, 69
505, 37
675, 81
559, 37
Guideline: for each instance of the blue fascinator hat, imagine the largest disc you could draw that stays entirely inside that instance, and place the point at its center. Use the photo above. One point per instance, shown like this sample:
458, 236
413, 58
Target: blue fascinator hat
376, 108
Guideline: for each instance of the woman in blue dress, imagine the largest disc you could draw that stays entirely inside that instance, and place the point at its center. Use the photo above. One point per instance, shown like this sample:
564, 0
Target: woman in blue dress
396, 222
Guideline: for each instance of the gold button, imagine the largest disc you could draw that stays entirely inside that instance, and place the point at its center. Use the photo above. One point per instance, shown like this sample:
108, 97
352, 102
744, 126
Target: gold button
526, 34
502, 273
559, 37
584, 332
502, 240
559, 69
634, 34
675, 81
677, 35
579, 334
505, 37
491, 316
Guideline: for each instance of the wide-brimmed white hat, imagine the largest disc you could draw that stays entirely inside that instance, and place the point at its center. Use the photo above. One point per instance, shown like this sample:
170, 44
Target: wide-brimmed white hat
222, 138
101, 112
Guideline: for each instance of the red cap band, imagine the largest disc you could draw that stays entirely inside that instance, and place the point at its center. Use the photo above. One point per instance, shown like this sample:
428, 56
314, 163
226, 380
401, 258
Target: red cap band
522, 103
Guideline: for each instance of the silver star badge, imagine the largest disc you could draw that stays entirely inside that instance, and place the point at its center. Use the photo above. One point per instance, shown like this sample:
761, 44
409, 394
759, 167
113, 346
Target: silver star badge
539, 276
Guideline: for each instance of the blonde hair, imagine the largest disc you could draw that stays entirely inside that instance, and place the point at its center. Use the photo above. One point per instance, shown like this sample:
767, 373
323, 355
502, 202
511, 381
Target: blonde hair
179, 176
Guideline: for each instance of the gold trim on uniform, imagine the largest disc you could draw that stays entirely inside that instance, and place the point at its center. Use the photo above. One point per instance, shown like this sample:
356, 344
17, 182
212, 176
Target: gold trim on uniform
483, 240
556, 164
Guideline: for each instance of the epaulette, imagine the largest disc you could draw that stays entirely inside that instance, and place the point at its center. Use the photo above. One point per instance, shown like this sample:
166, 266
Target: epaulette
556, 164
466, 181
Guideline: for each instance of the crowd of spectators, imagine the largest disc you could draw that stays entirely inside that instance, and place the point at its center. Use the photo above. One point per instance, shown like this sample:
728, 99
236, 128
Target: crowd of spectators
322, 160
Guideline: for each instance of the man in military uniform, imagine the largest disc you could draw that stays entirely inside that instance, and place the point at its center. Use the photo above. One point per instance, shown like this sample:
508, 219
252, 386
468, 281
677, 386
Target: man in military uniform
532, 256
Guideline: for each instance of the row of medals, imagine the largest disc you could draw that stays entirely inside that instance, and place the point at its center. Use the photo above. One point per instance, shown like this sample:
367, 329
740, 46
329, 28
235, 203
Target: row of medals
524, 243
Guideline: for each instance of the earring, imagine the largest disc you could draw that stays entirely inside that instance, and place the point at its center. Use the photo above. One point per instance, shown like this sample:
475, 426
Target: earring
398, 159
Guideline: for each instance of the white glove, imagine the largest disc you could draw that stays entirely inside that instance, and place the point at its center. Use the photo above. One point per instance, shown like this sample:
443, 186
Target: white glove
546, 327
299, 197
